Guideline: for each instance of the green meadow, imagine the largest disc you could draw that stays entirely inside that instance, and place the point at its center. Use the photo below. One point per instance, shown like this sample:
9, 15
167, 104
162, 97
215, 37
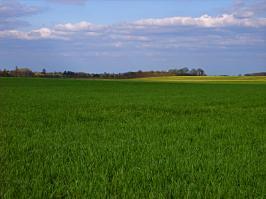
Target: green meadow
145, 138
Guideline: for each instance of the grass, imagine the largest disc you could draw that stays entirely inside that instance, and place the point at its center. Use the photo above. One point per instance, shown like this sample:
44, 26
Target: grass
131, 139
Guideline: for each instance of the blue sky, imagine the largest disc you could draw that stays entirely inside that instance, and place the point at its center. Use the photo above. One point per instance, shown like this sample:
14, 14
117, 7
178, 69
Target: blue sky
221, 36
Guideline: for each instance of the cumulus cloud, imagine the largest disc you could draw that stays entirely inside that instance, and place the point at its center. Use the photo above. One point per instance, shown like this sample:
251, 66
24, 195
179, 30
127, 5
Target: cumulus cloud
60, 31
37, 34
81, 26
13, 34
173, 32
152, 36
120, 38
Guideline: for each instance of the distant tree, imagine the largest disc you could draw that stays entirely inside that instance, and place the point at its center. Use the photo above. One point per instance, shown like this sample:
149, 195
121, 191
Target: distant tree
184, 71
24, 72
256, 74
193, 72
5, 73
43, 71
179, 72
200, 72
16, 71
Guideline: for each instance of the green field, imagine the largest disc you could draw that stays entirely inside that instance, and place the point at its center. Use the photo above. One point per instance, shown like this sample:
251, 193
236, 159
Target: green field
63, 138
207, 79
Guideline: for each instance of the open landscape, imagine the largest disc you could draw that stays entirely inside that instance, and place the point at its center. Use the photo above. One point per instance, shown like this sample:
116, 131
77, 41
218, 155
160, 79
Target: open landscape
132, 99
65, 138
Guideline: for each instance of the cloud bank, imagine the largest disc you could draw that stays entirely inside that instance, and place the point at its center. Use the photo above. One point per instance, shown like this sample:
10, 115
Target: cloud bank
204, 21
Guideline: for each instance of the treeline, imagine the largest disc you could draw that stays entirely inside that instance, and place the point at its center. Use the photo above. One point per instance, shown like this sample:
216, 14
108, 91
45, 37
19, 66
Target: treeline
26, 72
256, 74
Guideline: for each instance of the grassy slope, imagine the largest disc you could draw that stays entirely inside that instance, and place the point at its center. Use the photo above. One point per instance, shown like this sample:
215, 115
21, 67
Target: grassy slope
144, 139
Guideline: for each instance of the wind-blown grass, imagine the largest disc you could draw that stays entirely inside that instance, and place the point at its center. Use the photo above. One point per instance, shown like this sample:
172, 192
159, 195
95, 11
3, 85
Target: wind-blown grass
131, 139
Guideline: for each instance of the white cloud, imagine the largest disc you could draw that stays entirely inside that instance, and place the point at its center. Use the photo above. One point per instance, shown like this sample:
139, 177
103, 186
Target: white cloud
173, 32
42, 33
204, 21
14, 34
46, 33
81, 26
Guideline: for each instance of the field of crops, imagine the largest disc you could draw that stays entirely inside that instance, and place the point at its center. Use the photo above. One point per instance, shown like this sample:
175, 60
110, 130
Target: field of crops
132, 139
207, 79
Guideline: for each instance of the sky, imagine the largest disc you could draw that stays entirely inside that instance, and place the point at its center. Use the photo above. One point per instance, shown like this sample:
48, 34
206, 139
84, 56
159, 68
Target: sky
224, 37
